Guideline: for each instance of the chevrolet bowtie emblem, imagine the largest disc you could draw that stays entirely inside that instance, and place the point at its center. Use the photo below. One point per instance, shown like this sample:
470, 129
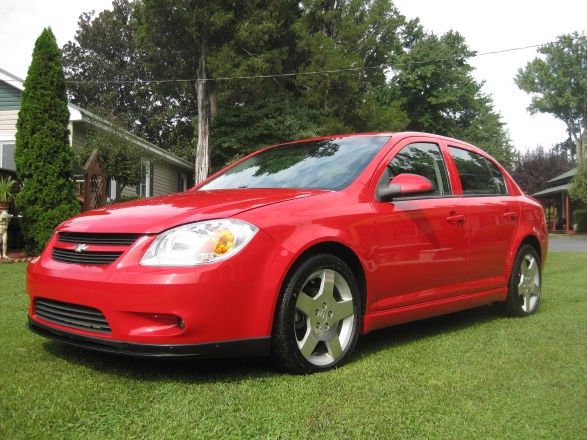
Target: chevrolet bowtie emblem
80, 247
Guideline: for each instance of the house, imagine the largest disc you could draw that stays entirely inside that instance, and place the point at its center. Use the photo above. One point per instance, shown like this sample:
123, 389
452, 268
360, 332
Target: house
164, 172
557, 203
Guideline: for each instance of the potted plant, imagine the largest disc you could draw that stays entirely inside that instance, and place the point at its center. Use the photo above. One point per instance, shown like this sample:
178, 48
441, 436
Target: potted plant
6, 195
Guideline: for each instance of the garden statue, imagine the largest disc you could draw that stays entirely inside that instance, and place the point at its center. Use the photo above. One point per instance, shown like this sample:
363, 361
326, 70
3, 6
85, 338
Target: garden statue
4, 220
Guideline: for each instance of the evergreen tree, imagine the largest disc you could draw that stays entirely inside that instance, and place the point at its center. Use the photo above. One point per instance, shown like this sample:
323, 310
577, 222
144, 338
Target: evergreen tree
43, 156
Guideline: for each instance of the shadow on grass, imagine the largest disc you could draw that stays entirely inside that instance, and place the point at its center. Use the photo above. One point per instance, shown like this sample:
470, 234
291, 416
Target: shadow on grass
234, 370
176, 370
405, 334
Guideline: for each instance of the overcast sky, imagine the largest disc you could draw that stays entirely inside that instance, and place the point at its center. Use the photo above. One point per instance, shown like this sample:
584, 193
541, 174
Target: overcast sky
487, 26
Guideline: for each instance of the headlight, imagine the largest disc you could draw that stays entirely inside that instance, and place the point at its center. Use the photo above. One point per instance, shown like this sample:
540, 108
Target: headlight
199, 243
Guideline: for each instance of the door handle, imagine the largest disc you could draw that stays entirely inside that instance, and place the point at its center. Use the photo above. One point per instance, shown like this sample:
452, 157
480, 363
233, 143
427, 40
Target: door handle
456, 219
509, 215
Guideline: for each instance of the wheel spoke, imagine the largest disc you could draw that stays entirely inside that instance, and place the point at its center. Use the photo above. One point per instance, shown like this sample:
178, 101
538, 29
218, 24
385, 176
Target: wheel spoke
308, 344
326, 285
334, 348
532, 271
305, 304
531, 264
522, 274
526, 305
343, 309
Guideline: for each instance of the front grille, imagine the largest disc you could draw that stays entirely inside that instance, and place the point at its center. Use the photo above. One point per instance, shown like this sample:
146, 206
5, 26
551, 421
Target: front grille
103, 239
71, 256
71, 315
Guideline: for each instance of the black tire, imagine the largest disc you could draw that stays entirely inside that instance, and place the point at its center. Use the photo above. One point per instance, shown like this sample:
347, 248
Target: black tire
296, 321
524, 290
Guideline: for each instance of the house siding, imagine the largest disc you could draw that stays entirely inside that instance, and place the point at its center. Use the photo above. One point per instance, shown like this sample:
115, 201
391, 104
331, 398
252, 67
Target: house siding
164, 178
129, 191
8, 120
9, 97
78, 137
165, 167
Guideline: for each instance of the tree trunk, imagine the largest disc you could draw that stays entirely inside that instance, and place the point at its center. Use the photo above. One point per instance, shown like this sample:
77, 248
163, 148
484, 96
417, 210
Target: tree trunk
583, 140
204, 117
579, 144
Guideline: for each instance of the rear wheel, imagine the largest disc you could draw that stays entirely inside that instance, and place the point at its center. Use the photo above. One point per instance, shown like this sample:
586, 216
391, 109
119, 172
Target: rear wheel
525, 284
318, 317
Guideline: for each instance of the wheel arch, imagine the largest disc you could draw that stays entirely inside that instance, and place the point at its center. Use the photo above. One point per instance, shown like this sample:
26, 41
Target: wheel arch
534, 242
341, 251
527, 239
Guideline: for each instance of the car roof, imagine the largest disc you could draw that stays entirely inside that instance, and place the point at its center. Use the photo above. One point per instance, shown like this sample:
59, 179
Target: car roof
395, 134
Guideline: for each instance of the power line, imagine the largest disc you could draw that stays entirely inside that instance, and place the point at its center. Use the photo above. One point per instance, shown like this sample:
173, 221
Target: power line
282, 75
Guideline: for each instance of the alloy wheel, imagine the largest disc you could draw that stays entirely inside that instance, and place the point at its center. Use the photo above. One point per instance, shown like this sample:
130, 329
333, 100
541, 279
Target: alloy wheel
324, 317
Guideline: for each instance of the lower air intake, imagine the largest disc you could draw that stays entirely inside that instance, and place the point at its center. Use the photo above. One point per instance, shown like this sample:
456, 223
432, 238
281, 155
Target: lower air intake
71, 315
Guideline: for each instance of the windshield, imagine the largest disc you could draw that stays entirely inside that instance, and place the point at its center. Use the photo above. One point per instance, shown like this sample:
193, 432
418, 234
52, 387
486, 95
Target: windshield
326, 164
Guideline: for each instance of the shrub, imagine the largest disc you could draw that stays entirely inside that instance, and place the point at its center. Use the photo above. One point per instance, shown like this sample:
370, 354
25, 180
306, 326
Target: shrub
578, 188
6, 189
580, 219
43, 157
122, 199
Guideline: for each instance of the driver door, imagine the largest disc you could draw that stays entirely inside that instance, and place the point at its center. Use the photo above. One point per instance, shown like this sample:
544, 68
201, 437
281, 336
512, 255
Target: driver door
422, 240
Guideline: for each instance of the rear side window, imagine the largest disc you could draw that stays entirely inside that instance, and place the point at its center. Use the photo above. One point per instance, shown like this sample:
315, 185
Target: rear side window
424, 159
498, 179
478, 175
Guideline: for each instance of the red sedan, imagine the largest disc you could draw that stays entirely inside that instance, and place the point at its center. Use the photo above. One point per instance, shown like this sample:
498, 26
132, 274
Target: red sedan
294, 251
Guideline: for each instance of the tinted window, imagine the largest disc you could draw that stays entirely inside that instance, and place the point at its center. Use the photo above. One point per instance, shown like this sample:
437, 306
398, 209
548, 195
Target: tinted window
498, 179
423, 159
476, 176
326, 164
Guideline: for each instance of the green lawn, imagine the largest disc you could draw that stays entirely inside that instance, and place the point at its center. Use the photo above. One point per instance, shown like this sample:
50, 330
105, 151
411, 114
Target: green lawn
468, 375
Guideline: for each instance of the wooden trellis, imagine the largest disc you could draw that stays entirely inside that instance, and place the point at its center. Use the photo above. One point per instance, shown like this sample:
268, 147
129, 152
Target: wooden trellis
95, 179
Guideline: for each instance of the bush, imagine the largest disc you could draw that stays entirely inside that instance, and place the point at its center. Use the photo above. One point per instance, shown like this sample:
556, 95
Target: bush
122, 199
580, 219
578, 188
44, 159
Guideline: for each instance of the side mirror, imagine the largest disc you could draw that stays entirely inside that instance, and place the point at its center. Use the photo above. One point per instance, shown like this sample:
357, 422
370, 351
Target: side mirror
405, 184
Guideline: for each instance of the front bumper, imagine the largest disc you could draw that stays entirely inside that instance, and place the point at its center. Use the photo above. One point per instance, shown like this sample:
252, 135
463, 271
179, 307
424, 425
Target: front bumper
246, 347
205, 310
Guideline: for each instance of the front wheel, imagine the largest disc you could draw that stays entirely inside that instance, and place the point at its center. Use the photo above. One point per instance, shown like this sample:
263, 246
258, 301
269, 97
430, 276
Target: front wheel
318, 316
525, 284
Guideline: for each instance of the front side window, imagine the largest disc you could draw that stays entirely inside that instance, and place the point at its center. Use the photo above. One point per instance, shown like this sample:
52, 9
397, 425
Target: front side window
325, 164
477, 178
424, 159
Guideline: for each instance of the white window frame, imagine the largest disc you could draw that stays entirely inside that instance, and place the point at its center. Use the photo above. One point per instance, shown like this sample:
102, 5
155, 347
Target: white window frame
146, 182
183, 182
113, 188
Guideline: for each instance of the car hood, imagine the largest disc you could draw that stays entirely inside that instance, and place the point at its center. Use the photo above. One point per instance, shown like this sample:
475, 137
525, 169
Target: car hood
157, 214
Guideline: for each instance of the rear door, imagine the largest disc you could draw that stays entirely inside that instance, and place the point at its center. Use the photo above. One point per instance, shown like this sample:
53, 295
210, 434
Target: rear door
492, 218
